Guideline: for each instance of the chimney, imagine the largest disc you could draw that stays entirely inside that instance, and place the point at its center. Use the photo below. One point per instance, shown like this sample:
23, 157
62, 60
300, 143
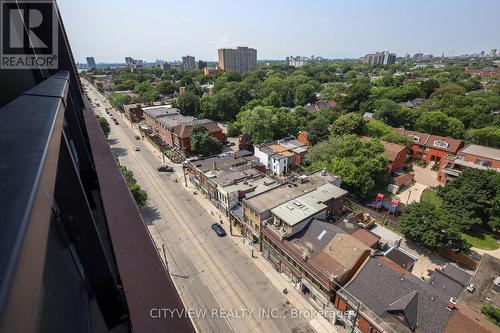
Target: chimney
451, 303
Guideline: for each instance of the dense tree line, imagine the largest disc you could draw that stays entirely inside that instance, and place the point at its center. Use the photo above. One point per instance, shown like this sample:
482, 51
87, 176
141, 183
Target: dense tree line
470, 201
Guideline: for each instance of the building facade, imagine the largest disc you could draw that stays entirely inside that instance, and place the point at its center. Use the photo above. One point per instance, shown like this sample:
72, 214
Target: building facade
242, 59
380, 58
282, 155
188, 62
428, 147
175, 129
91, 63
472, 156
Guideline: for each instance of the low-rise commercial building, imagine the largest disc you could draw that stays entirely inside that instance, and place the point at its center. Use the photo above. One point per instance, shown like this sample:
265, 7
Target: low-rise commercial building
175, 129
384, 297
256, 209
316, 259
208, 173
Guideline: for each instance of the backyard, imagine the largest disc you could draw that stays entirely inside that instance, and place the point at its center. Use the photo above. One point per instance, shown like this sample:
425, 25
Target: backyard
475, 237
481, 240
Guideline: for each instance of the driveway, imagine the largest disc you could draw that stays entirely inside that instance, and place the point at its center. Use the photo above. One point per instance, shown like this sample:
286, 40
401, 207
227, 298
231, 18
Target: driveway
411, 193
425, 176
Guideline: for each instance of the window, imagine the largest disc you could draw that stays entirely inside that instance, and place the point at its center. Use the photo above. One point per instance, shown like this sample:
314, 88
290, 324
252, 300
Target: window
440, 144
483, 163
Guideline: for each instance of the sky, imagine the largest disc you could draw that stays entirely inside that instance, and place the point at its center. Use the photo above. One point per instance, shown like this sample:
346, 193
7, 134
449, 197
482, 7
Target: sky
110, 30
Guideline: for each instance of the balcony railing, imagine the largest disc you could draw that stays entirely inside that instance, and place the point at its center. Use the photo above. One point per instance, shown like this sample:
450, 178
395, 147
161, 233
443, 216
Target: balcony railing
63, 196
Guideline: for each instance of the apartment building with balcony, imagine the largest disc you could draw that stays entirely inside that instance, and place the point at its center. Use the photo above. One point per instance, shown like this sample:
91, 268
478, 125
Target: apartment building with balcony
429, 147
76, 255
472, 156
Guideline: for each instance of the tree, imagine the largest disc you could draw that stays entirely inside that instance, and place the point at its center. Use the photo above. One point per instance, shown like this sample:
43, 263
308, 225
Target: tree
225, 105
360, 164
378, 129
140, 196
104, 125
117, 100
428, 87
166, 87
317, 130
351, 123
438, 123
470, 197
356, 94
304, 94
487, 136
428, 225
202, 142
259, 123
188, 103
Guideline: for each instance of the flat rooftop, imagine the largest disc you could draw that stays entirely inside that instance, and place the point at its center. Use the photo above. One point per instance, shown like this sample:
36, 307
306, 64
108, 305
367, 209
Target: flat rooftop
297, 210
482, 151
160, 111
270, 199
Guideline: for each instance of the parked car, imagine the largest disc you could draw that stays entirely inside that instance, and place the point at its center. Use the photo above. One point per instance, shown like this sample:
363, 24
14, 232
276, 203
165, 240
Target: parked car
165, 168
218, 230
137, 137
116, 122
136, 148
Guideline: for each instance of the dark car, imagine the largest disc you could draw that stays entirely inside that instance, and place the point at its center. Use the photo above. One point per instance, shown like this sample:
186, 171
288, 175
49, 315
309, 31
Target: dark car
218, 230
137, 137
165, 168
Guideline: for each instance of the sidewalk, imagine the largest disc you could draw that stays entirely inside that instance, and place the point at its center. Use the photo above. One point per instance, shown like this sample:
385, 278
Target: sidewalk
318, 323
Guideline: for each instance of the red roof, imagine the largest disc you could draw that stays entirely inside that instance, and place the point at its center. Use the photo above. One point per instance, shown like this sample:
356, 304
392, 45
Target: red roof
392, 150
429, 140
184, 131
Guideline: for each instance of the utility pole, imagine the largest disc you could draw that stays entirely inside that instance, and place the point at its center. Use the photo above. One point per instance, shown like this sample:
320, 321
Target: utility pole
164, 255
184, 173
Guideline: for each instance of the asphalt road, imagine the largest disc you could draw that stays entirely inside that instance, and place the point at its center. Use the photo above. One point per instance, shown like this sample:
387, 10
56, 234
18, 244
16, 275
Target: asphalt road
210, 272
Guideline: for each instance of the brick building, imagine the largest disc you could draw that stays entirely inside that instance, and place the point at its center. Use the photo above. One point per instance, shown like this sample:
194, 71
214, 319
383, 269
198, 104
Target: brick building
316, 259
472, 156
428, 147
175, 129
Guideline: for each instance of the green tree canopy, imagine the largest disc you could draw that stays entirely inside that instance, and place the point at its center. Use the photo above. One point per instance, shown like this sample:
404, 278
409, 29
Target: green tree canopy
350, 123
104, 124
361, 164
428, 225
202, 142
188, 103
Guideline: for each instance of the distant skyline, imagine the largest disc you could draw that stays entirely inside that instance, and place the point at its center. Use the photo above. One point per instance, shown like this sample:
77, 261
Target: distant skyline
154, 29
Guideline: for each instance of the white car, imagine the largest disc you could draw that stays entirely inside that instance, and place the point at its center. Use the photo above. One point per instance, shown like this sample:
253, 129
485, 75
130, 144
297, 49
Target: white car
136, 148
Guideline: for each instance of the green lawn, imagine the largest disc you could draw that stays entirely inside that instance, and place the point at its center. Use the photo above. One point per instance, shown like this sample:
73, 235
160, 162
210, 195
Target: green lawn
430, 195
481, 240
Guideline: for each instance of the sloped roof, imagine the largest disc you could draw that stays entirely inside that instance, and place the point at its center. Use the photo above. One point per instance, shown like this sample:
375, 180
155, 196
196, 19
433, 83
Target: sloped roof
428, 140
408, 306
392, 150
381, 288
368, 238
